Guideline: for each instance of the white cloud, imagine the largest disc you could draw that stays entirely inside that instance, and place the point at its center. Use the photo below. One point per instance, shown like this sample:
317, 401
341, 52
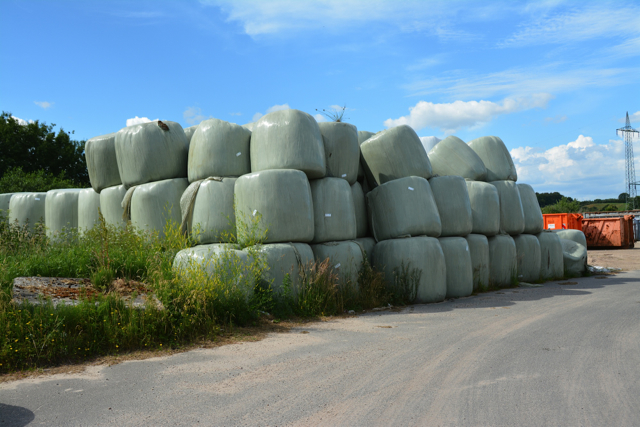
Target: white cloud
576, 25
21, 121
452, 116
236, 114
429, 142
276, 107
43, 104
556, 119
580, 168
137, 120
193, 115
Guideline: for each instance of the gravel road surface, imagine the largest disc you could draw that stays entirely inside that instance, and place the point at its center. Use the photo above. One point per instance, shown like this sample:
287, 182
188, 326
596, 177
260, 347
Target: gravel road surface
560, 354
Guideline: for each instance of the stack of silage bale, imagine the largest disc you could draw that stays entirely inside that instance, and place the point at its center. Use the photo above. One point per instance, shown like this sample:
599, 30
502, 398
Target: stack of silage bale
27, 209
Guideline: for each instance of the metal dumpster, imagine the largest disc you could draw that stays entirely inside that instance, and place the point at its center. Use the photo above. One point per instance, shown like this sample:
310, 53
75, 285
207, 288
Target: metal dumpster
605, 232
562, 221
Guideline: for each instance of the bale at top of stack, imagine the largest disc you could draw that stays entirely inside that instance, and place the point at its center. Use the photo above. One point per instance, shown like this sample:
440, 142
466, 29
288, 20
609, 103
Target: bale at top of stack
452, 156
496, 158
102, 163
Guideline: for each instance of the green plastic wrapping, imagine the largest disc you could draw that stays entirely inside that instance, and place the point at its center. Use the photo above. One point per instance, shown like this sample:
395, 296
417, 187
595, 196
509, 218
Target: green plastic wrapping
147, 152
285, 259
154, 204
454, 206
88, 209
479, 250
102, 164
219, 148
574, 256
288, 139
226, 261
360, 206
420, 254
452, 156
207, 210
249, 126
341, 150
575, 235
188, 132
496, 158
368, 244
395, 153
403, 207
283, 200
333, 210
511, 212
346, 259
503, 261
111, 205
533, 220
528, 254
363, 135
485, 208
551, 258
5, 199
61, 211
457, 259
27, 208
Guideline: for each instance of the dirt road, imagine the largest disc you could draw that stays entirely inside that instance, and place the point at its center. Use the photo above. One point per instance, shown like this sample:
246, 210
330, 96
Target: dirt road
626, 259
560, 354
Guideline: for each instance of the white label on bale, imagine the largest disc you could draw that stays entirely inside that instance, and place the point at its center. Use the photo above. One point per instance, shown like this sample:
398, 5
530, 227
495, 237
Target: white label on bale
344, 175
552, 226
37, 198
327, 215
337, 265
255, 211
411, 188
238, 155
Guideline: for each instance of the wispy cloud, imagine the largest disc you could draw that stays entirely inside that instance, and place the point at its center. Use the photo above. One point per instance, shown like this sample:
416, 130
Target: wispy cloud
556, 119
193, 115
271, 109
138, 120
450, 117
580, 168
43, 104
576, 25
235, 114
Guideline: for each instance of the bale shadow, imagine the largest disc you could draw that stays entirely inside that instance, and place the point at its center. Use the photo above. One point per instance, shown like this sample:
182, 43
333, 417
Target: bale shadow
15, 415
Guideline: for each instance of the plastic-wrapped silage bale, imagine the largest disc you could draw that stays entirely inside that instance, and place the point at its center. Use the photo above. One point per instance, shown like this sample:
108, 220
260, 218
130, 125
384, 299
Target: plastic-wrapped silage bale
363, 135
88, 209
5, 199
403, 207
485, 208
480, 261
61, 211
333, 210
360, 207
188, 132
283, 200
153, 205
551, 257
102, 164
575, 235
528, 254
150, 152
533, 219
418, 254
285, 259
345, 257
496, 158
454, 206
395, 153
368, 244
574, 256
111, 205
503, 261
207, 210
225, 261
27, 208
452, 156
341, 150
511, 213
288, 139
219, 148
457, 259
249, 126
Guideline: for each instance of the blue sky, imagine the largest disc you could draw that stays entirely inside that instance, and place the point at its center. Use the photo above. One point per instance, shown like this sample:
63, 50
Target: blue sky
553, 79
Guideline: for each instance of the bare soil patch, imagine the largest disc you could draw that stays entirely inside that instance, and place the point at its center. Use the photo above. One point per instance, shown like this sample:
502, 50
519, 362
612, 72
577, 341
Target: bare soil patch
626, 259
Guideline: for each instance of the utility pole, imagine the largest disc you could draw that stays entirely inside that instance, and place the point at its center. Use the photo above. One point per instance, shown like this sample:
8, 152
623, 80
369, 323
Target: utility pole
628, 134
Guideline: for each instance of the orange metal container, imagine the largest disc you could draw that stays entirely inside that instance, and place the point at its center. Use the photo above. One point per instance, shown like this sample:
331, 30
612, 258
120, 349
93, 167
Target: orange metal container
562, 221
608, 232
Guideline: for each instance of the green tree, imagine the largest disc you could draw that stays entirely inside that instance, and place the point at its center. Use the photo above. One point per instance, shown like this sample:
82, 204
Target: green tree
18, 181
546, 199
564, 205
36, 146
622, 198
